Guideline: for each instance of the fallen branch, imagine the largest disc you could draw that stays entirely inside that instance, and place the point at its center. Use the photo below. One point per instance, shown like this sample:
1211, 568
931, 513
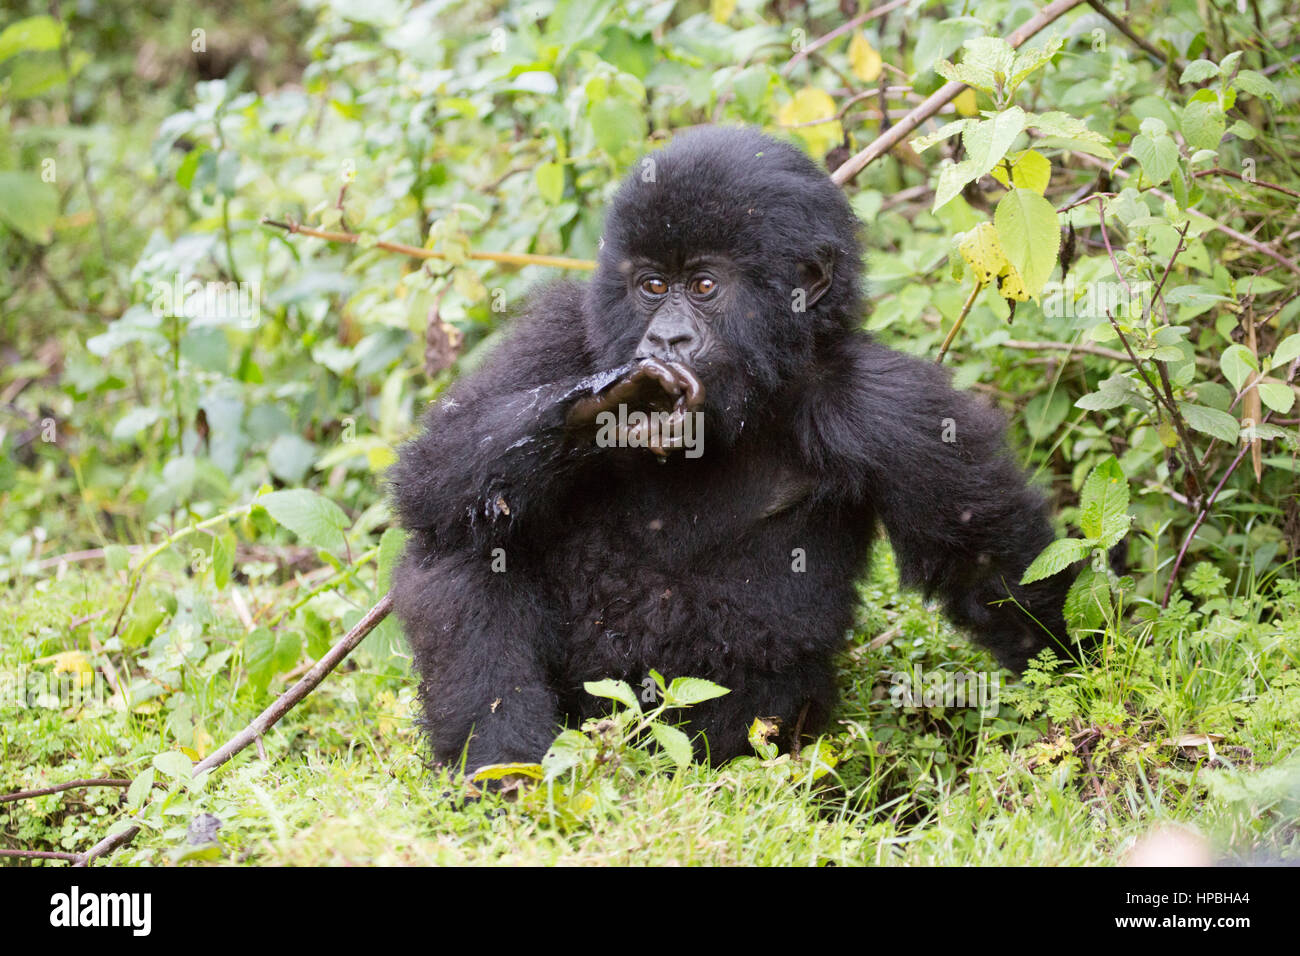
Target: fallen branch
267, 718
59, 788
415, 252
945, 94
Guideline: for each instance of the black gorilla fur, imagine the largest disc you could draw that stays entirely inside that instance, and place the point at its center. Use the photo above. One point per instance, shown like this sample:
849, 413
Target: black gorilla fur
618, 560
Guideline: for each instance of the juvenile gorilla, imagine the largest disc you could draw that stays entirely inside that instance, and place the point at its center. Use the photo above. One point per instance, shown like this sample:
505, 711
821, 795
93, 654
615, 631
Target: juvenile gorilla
556, 538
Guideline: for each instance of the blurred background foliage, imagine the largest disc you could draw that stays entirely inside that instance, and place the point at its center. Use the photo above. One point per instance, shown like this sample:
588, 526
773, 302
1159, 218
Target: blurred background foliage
143, 145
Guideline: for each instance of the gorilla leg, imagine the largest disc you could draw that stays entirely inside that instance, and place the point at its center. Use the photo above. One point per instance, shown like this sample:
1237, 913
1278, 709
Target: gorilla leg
479, 640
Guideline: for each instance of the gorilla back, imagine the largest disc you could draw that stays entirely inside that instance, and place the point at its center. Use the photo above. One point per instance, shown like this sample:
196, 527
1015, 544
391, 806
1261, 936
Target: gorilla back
681, 465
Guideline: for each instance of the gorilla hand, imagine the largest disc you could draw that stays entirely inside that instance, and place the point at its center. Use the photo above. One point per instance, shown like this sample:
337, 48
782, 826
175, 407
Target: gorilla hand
665, 391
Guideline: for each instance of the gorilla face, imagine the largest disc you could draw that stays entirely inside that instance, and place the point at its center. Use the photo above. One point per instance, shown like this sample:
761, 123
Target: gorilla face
745, 263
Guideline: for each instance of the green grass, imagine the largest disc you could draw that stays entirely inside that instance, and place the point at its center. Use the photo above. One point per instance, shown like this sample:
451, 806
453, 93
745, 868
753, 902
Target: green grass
1193, 720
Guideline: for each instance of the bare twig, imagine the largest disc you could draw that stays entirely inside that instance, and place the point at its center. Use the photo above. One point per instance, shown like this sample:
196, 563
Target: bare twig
945, 94
59, 788
42, 855
839, 31
956, 326
1262, 183
509, 258
267, 718
1128, 31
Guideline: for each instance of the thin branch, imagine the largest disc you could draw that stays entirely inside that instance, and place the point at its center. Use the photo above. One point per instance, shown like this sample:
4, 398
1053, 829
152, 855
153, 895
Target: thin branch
59, 788
956, 326
509, 258
267, 718
945, 94
839, 31
1220, 171
1129, 32
42, 855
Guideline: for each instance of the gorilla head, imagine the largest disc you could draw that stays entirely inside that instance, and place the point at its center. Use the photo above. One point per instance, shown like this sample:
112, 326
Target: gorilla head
731, 254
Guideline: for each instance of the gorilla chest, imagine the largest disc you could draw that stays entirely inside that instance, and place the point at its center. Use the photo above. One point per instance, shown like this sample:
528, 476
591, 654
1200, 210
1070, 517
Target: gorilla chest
689, 579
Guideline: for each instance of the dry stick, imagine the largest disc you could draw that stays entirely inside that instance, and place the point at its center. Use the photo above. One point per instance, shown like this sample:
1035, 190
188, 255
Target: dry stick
945, 94
956, 326
1220, 171
59, 788
509, 258
839, 32
269, 717
1209, 503
42, 855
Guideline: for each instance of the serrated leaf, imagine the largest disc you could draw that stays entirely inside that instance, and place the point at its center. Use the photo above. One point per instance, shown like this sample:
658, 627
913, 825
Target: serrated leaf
1210, 421
1203, 124
1030, 170
685, 691
948, 130
1105, 495
314, 519
1157, 156
675, 743
614, 690
1056, 557
1198, 71
1029, 232
1088, 602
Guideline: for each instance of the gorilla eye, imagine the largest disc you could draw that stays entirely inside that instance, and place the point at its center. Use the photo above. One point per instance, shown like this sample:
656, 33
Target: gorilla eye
703, 286
654, 286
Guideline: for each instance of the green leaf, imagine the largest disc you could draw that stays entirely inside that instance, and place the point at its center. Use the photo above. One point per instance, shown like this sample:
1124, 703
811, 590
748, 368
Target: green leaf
28, 205
1104, 497
1056, 557
1030, 235
675, 743
316, 520
1211, 421
1286, 352
922, 143
987, 142
1088, 603
1198, 71
1237, 362
1256, 84
32, 35
259, 655
174, 764
1276, 396
140, 788
1157, 155
1203, 124
685, 691
615, 690
223, 558
550, 182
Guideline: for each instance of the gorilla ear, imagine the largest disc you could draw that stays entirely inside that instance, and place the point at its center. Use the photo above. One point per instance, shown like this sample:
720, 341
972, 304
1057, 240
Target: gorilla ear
816, 274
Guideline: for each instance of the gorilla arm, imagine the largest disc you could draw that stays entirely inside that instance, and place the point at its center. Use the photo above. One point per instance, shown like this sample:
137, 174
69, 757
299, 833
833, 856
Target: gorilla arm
934, 465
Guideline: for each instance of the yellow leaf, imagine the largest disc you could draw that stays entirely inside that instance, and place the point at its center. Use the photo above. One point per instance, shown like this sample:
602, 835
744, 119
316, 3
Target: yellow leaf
202, 743
864, 59
1030, 169
721, 10
379, 457
1010, 285
71, 662
965, 103
983, 253
811, 105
